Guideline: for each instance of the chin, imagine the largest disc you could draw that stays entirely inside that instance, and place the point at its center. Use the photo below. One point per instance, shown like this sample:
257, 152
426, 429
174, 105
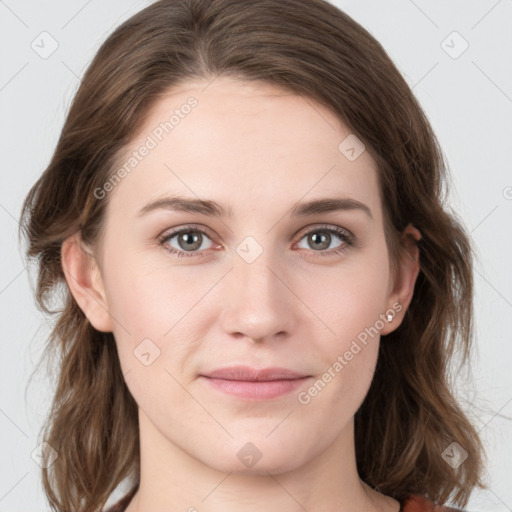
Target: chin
258, 457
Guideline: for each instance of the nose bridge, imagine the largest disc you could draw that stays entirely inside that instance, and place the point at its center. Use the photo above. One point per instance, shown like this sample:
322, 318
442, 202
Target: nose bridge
259, 304
255, 280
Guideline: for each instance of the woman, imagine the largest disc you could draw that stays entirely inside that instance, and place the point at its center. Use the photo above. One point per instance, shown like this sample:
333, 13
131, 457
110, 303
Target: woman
263, 292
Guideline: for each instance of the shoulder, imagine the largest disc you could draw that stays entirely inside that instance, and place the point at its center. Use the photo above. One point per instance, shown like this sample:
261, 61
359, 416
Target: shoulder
413, 503
418, 503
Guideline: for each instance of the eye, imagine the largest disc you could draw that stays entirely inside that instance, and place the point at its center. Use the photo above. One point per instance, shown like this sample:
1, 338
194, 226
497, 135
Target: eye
321, 238
187, 240
193, 240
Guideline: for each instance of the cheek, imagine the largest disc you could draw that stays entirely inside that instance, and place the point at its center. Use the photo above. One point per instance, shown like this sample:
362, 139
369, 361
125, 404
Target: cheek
159, 312
351, 298
149, 299
352, 301
150, 311
349, 355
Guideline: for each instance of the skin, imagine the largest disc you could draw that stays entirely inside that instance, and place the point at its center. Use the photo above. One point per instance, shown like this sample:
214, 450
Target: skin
259, 150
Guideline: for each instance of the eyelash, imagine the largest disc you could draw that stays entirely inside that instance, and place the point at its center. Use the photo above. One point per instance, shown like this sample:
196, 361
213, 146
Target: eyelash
348, 239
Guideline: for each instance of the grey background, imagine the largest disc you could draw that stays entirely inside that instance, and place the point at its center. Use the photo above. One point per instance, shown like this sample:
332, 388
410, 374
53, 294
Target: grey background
468, 100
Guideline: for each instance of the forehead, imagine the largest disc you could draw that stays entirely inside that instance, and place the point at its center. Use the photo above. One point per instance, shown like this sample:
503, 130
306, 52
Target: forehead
250, 145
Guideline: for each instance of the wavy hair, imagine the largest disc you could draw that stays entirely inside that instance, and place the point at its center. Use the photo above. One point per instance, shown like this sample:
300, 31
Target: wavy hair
311, 48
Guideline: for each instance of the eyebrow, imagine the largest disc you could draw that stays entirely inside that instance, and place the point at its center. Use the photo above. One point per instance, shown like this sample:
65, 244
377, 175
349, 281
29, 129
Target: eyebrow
215, 209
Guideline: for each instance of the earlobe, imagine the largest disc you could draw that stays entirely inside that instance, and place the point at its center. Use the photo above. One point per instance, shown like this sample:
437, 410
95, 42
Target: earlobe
84, 281
403, 288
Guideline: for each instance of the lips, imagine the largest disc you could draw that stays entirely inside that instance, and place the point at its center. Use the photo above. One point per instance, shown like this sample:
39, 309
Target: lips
255, 384
247, 373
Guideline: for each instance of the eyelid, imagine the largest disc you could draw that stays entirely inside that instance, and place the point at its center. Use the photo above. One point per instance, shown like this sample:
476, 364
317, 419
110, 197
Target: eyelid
319, 227
188, 227
211, 234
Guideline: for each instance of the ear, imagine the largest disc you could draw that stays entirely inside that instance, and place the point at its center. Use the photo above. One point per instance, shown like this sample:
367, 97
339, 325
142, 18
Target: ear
402, 287
84, 280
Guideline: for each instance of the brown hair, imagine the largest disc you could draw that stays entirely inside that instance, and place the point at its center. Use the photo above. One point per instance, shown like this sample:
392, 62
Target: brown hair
309, 47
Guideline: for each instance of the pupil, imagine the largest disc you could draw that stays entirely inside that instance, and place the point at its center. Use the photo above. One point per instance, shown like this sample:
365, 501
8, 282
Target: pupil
190, 239
319, 239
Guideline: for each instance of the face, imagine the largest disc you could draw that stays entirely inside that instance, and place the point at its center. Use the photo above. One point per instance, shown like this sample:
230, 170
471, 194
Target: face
268, 284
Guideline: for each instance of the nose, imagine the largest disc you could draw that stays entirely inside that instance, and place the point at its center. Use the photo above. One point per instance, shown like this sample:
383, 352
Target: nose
257, 300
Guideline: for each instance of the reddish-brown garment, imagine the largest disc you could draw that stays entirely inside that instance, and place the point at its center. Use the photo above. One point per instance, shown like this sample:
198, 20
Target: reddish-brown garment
413, 503
417, 503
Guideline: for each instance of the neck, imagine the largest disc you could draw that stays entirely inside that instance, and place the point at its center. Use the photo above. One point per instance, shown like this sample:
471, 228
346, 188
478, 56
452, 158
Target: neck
171, 479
